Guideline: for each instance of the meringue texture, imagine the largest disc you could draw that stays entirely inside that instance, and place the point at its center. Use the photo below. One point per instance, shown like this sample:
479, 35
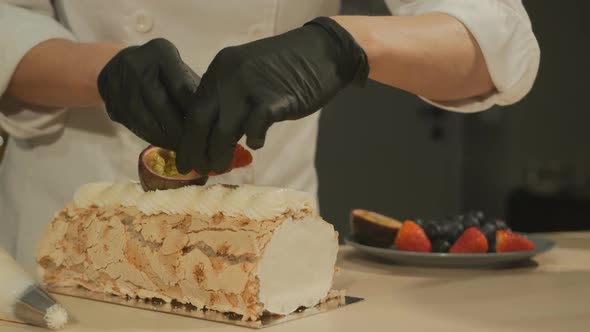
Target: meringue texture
247, 250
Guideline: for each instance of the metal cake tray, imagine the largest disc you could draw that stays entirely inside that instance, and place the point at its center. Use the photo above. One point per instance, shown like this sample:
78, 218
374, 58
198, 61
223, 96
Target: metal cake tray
177, 308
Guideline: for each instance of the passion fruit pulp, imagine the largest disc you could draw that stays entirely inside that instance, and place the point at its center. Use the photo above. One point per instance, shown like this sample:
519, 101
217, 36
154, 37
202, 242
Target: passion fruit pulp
157, 171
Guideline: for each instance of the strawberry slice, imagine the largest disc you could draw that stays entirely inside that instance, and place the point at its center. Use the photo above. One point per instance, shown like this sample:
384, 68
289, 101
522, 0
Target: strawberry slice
411, 237
507, 241
472, 241
242, 158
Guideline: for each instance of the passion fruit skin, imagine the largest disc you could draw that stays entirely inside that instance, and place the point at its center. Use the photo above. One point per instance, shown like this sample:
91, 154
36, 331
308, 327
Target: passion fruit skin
368, 231
150, 180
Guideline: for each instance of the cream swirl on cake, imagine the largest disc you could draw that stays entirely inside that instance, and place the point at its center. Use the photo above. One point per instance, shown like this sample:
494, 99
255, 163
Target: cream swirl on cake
253, 202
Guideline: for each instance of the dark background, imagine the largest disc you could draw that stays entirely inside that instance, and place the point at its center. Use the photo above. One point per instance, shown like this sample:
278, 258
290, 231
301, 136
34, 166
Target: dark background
383, 149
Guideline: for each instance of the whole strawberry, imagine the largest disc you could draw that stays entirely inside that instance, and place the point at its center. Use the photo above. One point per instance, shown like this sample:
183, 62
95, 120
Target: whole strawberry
411, 237
507, 241
472, 241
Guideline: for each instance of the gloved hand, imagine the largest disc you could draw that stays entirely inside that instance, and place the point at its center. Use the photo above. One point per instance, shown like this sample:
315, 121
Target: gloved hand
148, 89
249, 87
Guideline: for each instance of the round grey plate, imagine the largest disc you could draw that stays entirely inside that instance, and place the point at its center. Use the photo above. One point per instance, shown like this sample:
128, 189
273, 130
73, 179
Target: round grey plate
453, 260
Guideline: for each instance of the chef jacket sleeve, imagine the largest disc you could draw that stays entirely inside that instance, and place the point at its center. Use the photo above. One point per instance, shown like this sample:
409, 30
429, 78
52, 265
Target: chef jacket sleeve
23, 25
504, 33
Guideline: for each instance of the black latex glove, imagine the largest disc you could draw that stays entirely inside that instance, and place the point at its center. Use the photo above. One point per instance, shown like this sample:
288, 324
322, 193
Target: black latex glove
147, 89
249, 87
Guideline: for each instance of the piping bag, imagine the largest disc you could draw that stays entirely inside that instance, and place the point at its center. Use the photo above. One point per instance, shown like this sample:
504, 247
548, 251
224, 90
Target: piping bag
23, 300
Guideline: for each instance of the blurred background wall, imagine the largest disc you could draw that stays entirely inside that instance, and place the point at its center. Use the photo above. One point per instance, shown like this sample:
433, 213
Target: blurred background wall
385, 150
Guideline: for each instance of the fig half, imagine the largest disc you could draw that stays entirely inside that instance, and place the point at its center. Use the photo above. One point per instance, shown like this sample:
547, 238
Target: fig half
157, 171
373, 229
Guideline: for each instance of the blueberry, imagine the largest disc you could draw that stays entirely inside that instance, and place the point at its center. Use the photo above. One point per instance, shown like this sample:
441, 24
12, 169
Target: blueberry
470, 221
476, 214
451, 231
457, 230
489, 230
441, 246
501, 225
458, 218
432, 230
488, 220
446, 221
420, 222
492, 245
430, 222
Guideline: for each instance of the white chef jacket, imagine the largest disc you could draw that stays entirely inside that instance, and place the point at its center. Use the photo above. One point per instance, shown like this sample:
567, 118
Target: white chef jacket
52, 152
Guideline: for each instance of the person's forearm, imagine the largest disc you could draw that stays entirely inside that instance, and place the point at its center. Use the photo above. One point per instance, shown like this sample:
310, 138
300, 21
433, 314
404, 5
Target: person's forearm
59, 73
432, 55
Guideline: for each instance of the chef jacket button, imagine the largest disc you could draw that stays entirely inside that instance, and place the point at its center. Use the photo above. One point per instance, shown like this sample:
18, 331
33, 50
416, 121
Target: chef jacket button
143, 22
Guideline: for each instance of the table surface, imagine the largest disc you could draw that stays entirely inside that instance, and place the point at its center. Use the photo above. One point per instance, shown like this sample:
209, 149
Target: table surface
550, 293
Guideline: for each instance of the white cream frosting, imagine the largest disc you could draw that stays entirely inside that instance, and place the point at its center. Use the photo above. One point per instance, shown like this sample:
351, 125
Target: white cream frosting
56, 317
253, 202
297, 267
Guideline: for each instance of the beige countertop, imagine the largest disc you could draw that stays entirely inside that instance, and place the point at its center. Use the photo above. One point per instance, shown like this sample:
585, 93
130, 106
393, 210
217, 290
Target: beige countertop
551, 293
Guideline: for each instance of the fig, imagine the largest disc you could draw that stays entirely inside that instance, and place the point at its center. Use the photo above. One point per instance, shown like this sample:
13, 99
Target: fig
157, 171
373, 229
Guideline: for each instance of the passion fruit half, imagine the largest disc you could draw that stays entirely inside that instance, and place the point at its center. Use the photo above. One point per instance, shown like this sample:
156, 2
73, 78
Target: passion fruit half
157, 171
373, 229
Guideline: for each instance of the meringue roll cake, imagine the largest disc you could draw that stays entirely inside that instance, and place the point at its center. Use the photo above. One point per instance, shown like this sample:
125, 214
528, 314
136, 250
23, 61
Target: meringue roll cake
247, 250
